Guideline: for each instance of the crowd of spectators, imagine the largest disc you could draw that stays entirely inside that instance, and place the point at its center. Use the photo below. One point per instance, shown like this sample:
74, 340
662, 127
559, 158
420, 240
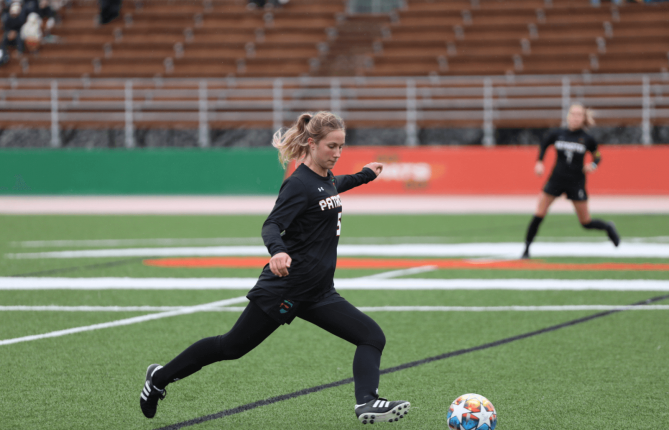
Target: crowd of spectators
26, 25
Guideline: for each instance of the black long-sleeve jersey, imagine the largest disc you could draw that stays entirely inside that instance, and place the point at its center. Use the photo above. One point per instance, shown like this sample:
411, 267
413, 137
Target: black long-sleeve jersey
571, 147
306, 223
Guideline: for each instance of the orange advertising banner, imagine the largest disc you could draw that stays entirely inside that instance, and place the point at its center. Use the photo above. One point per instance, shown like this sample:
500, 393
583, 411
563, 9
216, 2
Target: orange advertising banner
458, 170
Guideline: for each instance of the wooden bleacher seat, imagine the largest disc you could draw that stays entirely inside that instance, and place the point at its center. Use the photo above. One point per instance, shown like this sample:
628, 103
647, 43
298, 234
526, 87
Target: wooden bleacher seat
57, 67
420, 33
500, 46
632, 62
203, 68
550, 63
626, 44
429, 18
215, 35
218, 38
435, 6
297, 35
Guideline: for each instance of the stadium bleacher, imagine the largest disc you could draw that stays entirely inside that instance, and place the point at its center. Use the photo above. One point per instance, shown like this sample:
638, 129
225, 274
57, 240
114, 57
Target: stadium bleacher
423, 65
185, 38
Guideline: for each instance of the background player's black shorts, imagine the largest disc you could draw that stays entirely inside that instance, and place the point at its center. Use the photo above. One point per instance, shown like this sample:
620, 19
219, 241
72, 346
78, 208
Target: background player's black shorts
284, 310
575, 190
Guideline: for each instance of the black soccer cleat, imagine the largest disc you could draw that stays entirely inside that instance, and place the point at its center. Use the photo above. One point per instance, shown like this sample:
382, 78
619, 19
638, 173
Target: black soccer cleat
613, 233
148, 400
381, 411
526, 255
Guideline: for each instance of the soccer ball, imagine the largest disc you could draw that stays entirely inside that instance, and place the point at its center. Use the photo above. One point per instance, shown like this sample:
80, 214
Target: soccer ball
472, 412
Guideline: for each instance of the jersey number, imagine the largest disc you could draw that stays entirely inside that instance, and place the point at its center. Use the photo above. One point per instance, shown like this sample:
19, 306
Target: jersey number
569, 155
339, 224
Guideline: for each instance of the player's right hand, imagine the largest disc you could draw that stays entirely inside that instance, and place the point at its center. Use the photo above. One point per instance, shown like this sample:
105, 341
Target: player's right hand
539, 168
279, 264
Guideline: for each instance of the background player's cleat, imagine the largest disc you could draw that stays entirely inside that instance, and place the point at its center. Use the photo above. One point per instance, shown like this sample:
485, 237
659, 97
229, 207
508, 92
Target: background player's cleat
381, 410
526, 255
613, 233
148, 400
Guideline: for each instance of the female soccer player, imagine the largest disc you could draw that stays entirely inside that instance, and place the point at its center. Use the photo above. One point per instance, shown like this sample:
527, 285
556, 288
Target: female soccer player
568, 175
301, 235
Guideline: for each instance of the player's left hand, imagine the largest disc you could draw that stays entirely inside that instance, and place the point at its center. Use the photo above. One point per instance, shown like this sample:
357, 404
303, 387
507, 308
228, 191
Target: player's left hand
376, 167
588, 168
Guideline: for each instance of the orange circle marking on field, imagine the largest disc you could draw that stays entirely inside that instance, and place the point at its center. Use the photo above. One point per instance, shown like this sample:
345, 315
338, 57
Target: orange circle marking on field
405, 263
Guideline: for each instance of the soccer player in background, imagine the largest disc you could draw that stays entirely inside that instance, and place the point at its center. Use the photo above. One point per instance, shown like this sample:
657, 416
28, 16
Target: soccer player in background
569, 172
301, 234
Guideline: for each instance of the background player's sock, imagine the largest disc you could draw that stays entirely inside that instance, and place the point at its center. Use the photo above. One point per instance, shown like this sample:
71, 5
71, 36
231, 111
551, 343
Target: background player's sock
596, 224
532, 230
610, 228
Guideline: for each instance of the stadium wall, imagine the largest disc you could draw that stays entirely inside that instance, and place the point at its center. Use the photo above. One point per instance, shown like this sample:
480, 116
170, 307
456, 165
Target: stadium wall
449, 170
140, 172
502, 170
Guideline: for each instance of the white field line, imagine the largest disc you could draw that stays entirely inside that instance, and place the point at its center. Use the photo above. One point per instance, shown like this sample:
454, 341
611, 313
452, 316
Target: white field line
402, 284
508, 308
492, 250
403, 272
207, 251
126, 321
39, 283
55, 308
362, 308
139, 242
95, 243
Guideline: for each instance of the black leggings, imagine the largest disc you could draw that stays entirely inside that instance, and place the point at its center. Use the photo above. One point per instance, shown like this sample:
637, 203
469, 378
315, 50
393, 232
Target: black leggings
253, 326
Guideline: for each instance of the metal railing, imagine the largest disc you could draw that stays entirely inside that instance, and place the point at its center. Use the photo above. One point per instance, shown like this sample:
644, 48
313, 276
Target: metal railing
414, 102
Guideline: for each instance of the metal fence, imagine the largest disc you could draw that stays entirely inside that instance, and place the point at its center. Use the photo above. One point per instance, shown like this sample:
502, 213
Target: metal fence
410, 102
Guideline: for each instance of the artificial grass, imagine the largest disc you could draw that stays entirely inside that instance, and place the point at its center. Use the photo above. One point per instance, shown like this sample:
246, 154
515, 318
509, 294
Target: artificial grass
587, 375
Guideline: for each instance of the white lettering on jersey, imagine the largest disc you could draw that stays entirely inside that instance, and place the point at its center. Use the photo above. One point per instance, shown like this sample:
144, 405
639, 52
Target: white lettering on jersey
330, 203
569, 148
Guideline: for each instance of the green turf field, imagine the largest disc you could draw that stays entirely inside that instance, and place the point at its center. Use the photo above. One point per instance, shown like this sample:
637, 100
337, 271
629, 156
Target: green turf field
609, 372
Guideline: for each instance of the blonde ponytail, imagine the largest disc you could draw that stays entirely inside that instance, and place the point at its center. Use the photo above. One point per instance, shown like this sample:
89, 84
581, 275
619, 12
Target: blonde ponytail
293, 143
589, 117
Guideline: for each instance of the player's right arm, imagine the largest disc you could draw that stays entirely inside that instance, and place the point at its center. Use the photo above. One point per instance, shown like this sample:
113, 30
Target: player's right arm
291, 202
548, 141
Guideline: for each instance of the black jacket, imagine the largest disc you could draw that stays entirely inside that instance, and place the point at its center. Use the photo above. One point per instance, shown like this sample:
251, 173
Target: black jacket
571, 147
306, 223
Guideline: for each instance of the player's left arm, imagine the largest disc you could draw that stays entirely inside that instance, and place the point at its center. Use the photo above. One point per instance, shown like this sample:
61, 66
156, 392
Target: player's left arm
596, 157
367, 174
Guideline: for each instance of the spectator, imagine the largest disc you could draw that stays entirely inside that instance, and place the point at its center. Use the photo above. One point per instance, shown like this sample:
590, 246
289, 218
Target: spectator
109, 10
4, 11
31, 32
29, 6
12, 26
48, 16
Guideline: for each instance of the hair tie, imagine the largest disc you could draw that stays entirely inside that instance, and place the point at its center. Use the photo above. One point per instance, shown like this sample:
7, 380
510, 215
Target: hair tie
307, 119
